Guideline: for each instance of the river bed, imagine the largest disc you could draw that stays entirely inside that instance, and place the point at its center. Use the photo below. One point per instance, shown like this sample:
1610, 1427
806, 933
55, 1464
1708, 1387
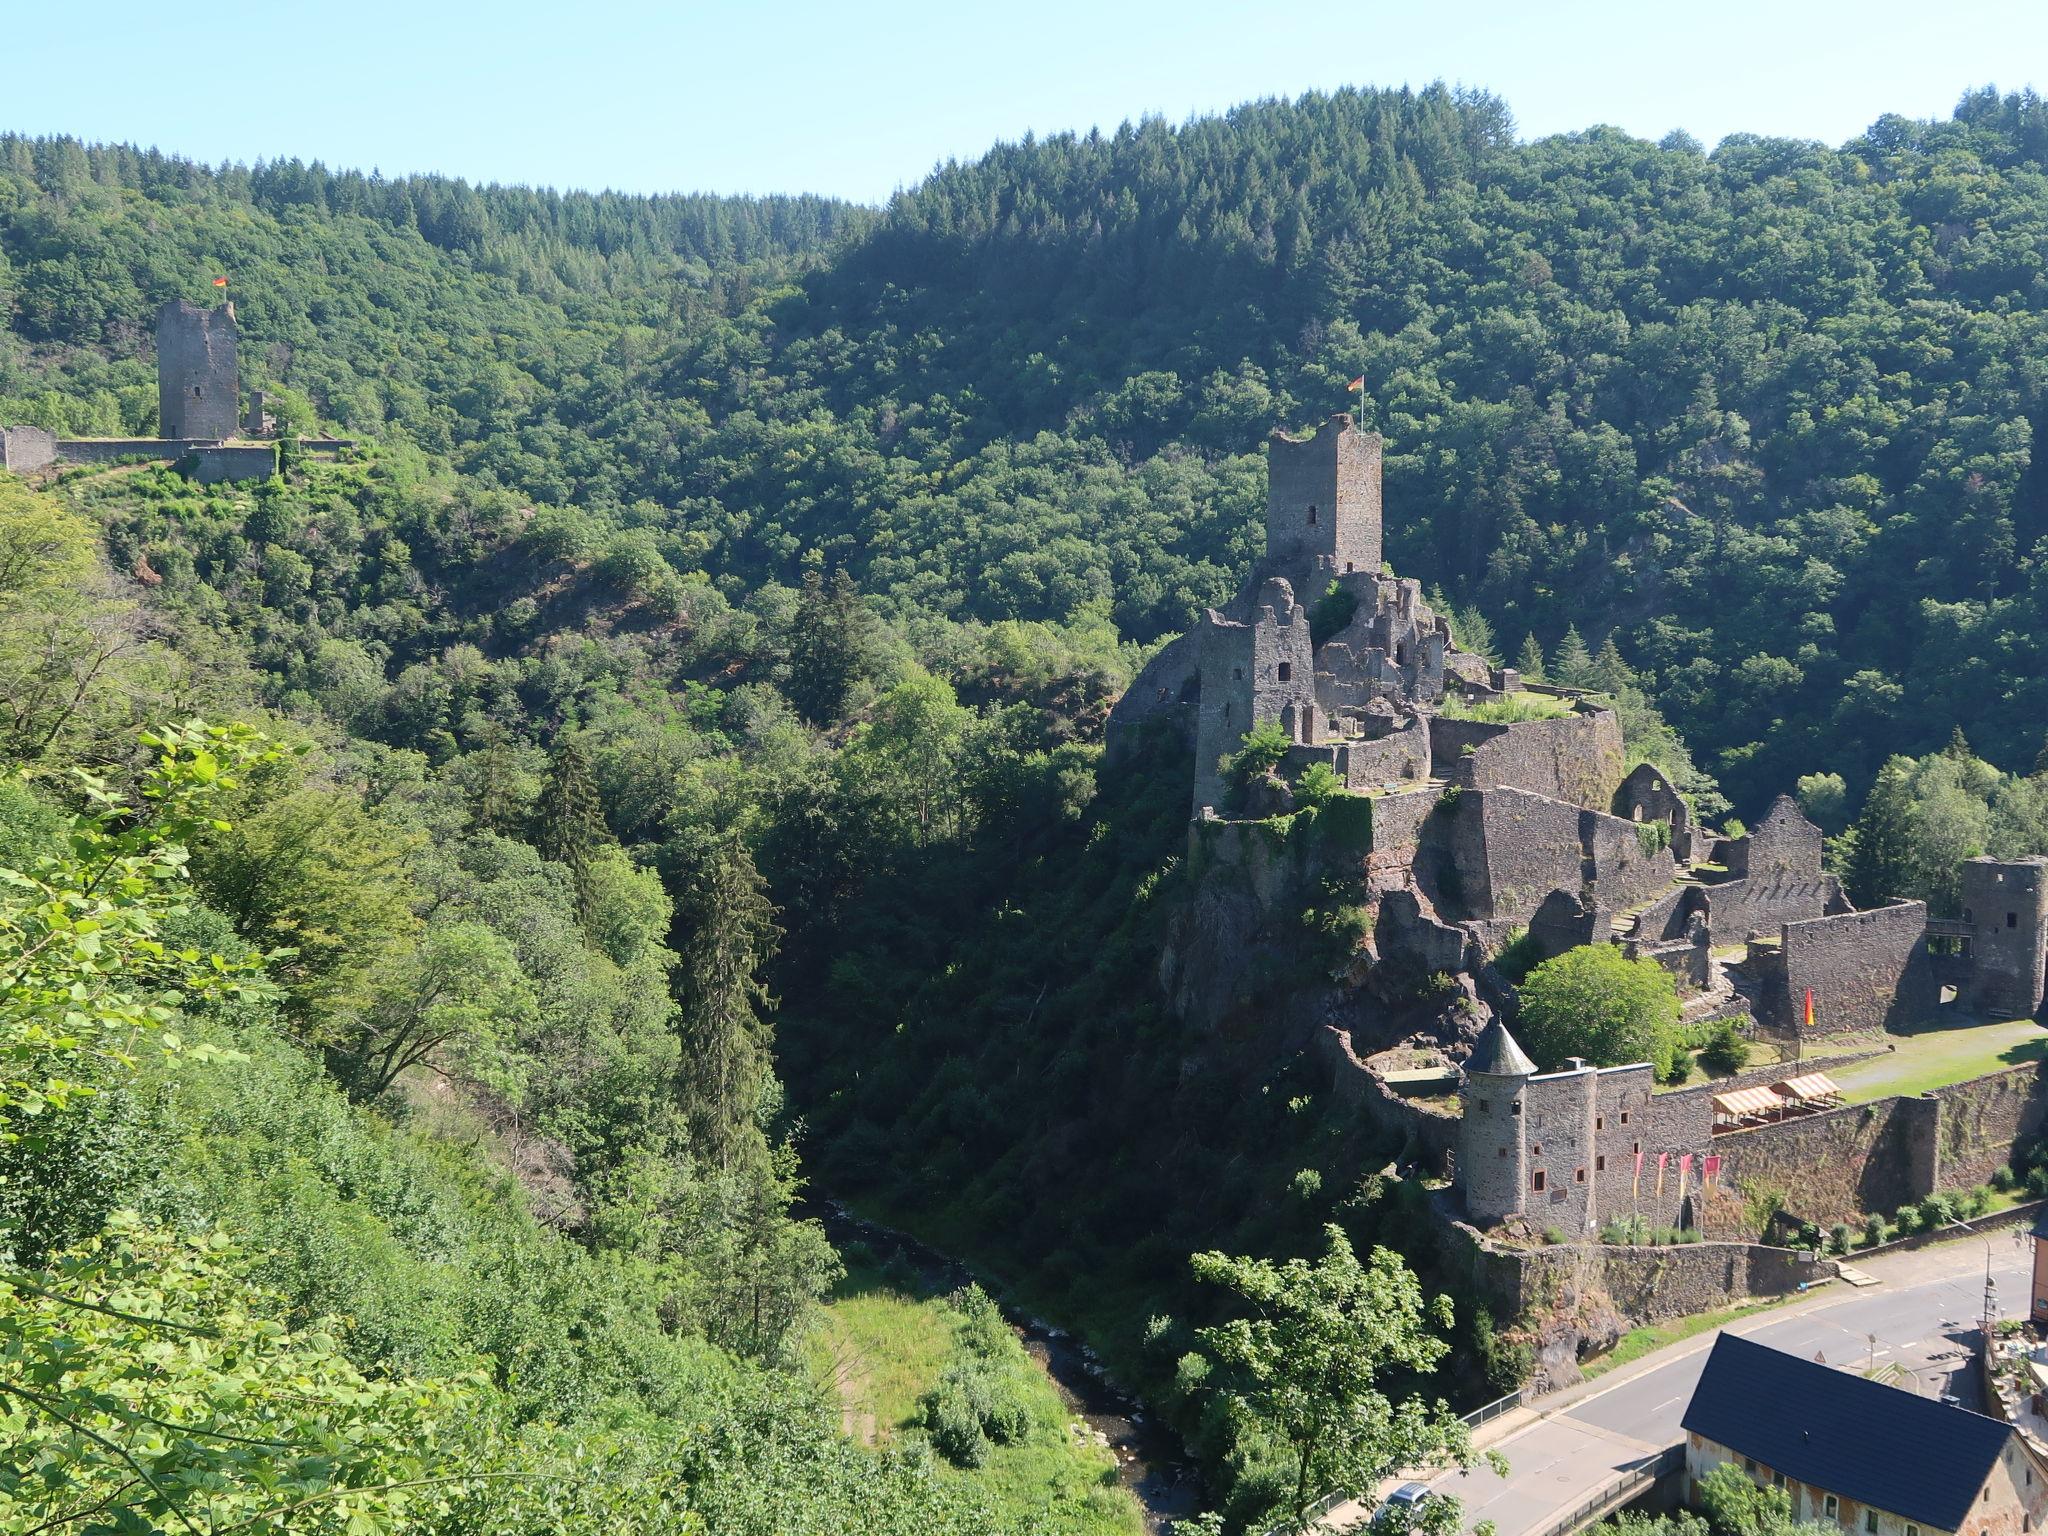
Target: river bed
1150, 1461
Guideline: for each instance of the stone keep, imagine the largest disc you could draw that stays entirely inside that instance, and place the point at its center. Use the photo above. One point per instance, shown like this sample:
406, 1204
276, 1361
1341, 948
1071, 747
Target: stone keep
1323, 505
1252, 674
198, 387
2006, 903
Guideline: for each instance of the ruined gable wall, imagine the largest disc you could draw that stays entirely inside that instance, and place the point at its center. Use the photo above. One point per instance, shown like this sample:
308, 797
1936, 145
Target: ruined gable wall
1168, 690
1624, 873
1758, 905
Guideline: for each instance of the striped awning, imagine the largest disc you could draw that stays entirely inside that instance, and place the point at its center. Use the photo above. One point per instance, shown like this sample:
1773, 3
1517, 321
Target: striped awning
1814, 1085
1749, 1101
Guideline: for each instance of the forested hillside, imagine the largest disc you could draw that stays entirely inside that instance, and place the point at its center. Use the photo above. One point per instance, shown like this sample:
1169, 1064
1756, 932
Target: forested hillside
677, 767
1767, 414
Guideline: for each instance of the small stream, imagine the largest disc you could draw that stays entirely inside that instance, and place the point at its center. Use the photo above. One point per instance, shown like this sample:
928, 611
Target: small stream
1149, 1457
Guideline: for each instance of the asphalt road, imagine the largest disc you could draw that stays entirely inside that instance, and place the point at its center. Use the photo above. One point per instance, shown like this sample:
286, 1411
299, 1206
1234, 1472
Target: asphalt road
1922, 1315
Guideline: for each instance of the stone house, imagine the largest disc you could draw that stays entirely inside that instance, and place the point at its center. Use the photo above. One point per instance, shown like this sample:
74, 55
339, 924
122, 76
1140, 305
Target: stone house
1856, 1454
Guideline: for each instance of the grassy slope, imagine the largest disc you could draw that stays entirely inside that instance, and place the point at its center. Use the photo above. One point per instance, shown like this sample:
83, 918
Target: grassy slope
883, 1345
1933, 1058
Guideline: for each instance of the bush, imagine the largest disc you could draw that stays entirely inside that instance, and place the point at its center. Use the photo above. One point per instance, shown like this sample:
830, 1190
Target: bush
2002, 1178
1677, 1069
1727, 1051
1935, 1212
1264, 746
1317, 786
1332, 611
1507, 708
1628, 1231
1308, 1183
1874, 1231
1595, 1002
1839, 1237
954, 1426
1555, 1237
1518, 956
2037, 1181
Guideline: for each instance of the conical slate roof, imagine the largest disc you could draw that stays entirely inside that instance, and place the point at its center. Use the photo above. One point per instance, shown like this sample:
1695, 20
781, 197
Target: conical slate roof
1497, 1055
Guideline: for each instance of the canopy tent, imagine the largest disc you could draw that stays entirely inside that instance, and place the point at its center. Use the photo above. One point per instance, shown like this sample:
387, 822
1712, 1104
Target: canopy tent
1750, 1103
1813, 1088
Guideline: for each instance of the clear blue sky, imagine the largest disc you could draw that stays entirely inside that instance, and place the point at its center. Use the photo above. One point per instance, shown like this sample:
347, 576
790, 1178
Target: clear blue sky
857, 99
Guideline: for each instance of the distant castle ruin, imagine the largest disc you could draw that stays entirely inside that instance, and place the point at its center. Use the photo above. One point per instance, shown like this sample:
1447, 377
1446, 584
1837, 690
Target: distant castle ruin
1473, 824
198, 388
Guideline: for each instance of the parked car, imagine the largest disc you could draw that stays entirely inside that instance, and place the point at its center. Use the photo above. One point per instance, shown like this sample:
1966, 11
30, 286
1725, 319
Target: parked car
1401, 1507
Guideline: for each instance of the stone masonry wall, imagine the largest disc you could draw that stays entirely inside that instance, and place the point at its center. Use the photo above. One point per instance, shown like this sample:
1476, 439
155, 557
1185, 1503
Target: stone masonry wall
1868, 971
25, 448
1840, 1164
1576, 758
198, 383
211, 466
1758, 905
1985, 1121
107, 450
1323, 503
1168, 690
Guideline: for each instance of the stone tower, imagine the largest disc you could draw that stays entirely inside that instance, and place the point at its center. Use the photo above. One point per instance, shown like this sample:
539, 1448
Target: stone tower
1493, 1148
197, 385
2006, 902
1322, 505
1251, 674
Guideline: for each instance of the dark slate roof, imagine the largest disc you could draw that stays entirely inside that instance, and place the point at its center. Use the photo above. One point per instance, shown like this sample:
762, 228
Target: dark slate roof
1912, 1456
2041, 1223
1498, 1055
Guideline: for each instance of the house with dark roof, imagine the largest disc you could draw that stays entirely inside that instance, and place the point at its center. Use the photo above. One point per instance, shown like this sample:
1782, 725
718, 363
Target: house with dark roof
1871, 1459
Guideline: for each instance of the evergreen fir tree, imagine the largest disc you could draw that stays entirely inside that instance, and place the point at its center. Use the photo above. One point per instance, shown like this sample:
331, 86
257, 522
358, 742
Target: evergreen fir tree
726, 933
1611, 673
831, 648
1959, 745
569, 825
1881, 865
1530, 663
2041, 757
1574, 662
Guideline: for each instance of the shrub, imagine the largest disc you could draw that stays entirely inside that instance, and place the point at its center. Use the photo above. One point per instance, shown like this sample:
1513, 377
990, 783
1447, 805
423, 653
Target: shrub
1332, 611
1628, 1231
2037, 1181
1507, 708
1518, 956
1263, 747
2002, 1178
1677, 1069
1727, 1051
1308, 1183
1874, 1231
1935, 1212
1555, 1237
954, 1426
1839, 1237
1595, 1002
1318, 786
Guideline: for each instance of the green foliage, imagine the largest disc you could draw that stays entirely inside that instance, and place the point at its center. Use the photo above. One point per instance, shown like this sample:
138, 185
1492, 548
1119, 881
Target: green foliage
1727, 1052
1923, 817
1305, 1369
1507, 708
1264, 746
1317, 786
1595, 1002
1331, 613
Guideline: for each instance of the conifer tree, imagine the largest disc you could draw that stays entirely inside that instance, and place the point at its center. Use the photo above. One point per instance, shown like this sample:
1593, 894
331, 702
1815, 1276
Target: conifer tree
1881, 865
569, 825
725, 934
1611, 673
1530, 664
831, 648
1574, 662
2041, 757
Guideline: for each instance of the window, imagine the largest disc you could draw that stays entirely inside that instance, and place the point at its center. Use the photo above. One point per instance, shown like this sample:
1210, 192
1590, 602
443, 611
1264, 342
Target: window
1237, 674
1482, 1106
1600, 1165
1503, 1151
1515, 1108
1347, 567
1777, 1479
197, 391
1914, 1530
1311, 515
1831, 1507
1636, 1148
1578, 1176
2012, 919
1870, 1522
1749, 1465
1536, 1181
1599, 1122
1286, 671
1536, 1150
1624, 1117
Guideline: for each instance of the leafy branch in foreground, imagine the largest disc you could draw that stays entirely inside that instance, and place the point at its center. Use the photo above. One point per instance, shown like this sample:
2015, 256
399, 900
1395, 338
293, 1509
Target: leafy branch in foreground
1305, 1370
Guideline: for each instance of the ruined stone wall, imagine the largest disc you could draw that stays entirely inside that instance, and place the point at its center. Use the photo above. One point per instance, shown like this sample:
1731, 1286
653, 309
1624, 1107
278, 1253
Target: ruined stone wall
1647, 795
1758, 905
25, 448
1670, 915
1323, 503
1783, 840
1251, 674
1577, 757
1624, 872
1562, 922
1425, 1135
1558, 1125
1399, 757
108, 450
1868, 971
1837, 1165
1168, 690
198, 384
211, 466
1985, 1121
1498, 854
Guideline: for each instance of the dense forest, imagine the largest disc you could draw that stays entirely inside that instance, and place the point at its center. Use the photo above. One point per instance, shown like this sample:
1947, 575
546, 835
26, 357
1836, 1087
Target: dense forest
662, 763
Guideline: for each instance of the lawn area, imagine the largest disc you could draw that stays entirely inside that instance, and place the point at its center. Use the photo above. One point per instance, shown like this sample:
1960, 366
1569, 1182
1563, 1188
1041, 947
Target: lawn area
1934, 1057
1638, 1342
884, 1343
